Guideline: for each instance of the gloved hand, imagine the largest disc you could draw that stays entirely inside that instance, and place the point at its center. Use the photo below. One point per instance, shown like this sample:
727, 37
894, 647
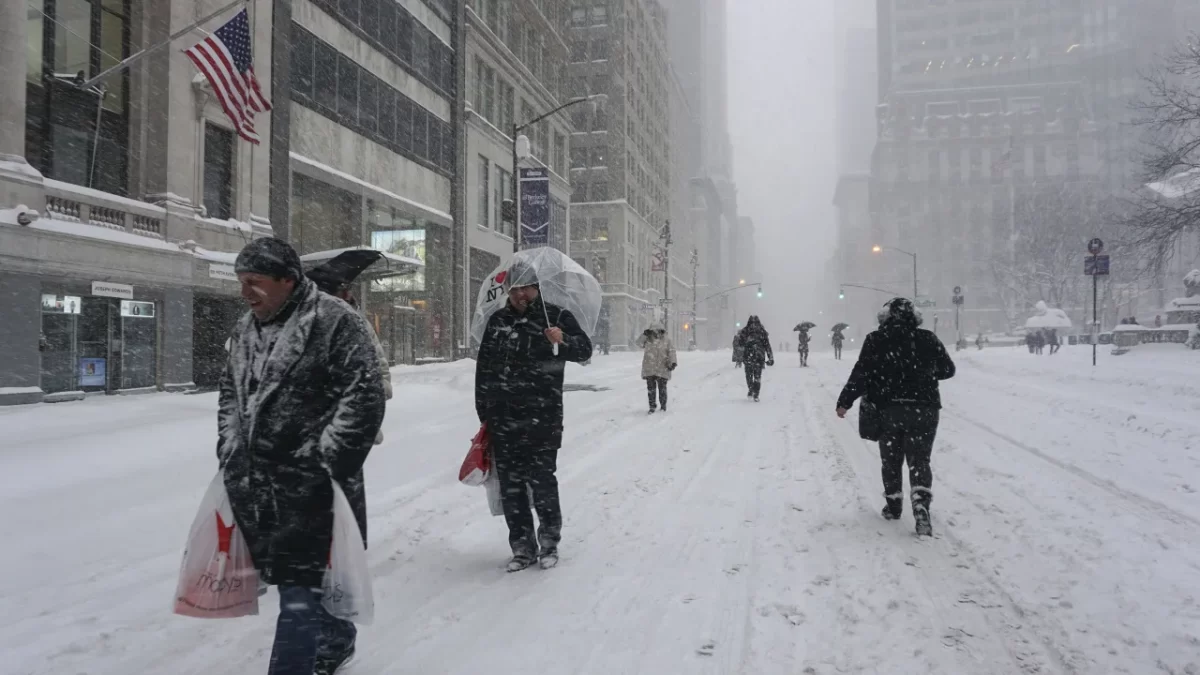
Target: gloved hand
672, 367
771, 362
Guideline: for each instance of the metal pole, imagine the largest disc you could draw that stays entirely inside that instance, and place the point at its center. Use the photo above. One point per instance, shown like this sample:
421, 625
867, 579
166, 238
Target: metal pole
695, 263
101, 94
129, 61
667, 277
1095, 319
516, 187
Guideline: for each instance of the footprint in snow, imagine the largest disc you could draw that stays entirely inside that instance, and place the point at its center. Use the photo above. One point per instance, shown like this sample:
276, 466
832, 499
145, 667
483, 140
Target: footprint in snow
707, 648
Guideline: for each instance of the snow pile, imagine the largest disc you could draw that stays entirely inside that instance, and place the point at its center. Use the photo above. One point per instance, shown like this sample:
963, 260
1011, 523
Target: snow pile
1048, 317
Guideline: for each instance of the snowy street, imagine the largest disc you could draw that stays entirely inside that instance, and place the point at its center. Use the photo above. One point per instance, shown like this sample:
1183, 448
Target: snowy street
722, 537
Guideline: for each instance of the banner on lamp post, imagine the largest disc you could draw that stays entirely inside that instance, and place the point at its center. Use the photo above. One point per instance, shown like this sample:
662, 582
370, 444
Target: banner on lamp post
535, 207
659, 261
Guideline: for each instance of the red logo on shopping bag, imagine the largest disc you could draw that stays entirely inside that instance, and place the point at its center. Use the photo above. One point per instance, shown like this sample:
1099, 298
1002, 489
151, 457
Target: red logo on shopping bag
224, 534
501, 276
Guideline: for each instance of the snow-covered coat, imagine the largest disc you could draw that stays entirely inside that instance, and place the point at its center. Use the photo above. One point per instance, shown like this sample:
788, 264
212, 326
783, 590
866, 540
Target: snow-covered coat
311, 414
385, 374
519, 379
756, 345
658, 357
899, 364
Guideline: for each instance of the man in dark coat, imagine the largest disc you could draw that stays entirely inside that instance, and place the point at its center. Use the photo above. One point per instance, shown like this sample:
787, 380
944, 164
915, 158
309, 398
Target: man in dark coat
899, 368
756, 353
300, 404
519, 396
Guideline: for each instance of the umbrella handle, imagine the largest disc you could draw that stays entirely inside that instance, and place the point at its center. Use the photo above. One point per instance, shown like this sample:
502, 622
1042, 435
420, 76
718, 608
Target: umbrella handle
556, 349
546, 313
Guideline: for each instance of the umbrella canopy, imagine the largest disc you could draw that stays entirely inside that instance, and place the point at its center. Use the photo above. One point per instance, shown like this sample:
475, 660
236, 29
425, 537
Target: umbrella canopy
561, 280
840, 327
343, 265
804, 326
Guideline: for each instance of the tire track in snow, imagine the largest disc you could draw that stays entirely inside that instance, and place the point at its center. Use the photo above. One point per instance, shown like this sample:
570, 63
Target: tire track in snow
1144, 504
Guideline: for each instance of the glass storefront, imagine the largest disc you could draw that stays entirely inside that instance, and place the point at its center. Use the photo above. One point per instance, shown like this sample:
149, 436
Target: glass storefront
98, 344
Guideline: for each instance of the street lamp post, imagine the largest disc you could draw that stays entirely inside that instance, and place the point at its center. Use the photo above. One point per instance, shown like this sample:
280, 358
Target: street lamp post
878, 249
516, 175
695, 264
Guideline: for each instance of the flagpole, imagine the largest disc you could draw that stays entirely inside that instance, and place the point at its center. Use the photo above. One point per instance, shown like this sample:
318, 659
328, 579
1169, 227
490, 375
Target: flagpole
134, 58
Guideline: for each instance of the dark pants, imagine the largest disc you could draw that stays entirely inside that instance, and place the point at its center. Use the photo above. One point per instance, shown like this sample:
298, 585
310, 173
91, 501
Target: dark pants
908, 434
525, 467
837, 352
306, 632
754, 373
658, 384
803, 356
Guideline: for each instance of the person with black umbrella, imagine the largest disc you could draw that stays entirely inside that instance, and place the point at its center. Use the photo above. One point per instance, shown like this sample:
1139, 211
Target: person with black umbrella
899, 368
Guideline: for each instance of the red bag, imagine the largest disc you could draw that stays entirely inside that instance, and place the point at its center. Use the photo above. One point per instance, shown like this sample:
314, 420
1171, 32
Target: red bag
478, 463
217, 579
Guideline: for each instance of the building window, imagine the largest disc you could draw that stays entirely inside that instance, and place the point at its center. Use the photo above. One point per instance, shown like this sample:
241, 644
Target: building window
579, 157
218, 171
324, 217
560, 153
599, 191
77, 39
600, 229
504, 188
485, 170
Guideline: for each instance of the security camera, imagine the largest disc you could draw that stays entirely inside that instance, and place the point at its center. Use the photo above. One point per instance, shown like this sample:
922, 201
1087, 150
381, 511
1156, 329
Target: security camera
25, 215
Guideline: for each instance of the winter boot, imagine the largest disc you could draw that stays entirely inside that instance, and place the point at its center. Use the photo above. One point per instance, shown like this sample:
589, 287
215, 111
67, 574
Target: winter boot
548, 559
893, 509
330, 665
921, 515
520, 562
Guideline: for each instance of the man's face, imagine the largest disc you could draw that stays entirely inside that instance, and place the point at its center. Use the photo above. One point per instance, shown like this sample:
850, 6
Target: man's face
521, 296
265, 294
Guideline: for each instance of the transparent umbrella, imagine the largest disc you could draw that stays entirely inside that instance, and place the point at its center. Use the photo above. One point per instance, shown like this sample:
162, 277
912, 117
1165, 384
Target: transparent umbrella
562, 281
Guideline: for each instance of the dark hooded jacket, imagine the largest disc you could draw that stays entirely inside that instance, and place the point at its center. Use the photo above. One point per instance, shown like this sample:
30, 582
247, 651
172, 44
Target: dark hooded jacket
900, 364
518, 378
756, 344
311, 414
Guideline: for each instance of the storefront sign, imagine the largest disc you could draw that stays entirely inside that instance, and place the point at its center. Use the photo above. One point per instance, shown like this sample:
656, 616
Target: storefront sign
61, 304
222, 272
137, 310
535, 207
107, 289
92, 372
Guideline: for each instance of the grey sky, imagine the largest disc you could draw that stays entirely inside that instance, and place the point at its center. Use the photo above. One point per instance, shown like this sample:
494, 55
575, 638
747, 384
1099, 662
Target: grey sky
781, 106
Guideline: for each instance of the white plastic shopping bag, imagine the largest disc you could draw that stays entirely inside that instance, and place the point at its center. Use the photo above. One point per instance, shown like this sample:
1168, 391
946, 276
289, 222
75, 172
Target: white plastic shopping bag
217, 579
347, 588
492, 485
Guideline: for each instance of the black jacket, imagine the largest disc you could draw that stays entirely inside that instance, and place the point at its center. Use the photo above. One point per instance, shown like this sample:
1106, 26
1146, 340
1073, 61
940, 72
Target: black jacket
756, 347
311, 415
898, 365
518, 378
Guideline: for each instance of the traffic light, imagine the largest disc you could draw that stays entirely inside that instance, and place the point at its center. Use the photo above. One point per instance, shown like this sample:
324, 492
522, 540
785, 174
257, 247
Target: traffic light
687, 326
841, 294
760, 292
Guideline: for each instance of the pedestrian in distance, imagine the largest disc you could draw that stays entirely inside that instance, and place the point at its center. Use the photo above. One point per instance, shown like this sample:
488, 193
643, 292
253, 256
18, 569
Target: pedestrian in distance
838, 339
899, 368
803, 339
658, 362
519, 396
739, 350
756, 353
300, 405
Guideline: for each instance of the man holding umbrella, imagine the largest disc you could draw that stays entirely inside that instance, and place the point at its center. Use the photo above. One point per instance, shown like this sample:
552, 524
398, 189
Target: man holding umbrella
523, 352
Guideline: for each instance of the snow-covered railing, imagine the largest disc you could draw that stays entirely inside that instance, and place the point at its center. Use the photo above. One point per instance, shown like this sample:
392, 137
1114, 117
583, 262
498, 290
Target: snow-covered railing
76, 204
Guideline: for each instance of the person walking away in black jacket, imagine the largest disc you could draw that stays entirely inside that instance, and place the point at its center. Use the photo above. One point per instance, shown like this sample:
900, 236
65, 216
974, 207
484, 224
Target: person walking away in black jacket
519, 396
756, 352
803, 340
838, 340
300, 405
899, 367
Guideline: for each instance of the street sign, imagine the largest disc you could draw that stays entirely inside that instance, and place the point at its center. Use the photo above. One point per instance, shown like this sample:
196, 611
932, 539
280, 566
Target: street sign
1096, 246
1096, 265
666, 302
925, 303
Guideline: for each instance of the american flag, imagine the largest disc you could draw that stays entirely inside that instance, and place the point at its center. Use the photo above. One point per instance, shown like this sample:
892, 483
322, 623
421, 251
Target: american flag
224, 59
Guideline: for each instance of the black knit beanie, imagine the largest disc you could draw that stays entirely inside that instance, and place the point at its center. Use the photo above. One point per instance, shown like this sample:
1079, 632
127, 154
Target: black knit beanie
271, 257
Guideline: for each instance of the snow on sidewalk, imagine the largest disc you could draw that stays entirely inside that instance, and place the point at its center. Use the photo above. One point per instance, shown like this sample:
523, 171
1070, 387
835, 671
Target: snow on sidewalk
722, 537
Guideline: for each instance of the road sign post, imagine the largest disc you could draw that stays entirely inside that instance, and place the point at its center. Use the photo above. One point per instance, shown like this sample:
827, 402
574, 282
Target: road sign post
958, 302
1095, 265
